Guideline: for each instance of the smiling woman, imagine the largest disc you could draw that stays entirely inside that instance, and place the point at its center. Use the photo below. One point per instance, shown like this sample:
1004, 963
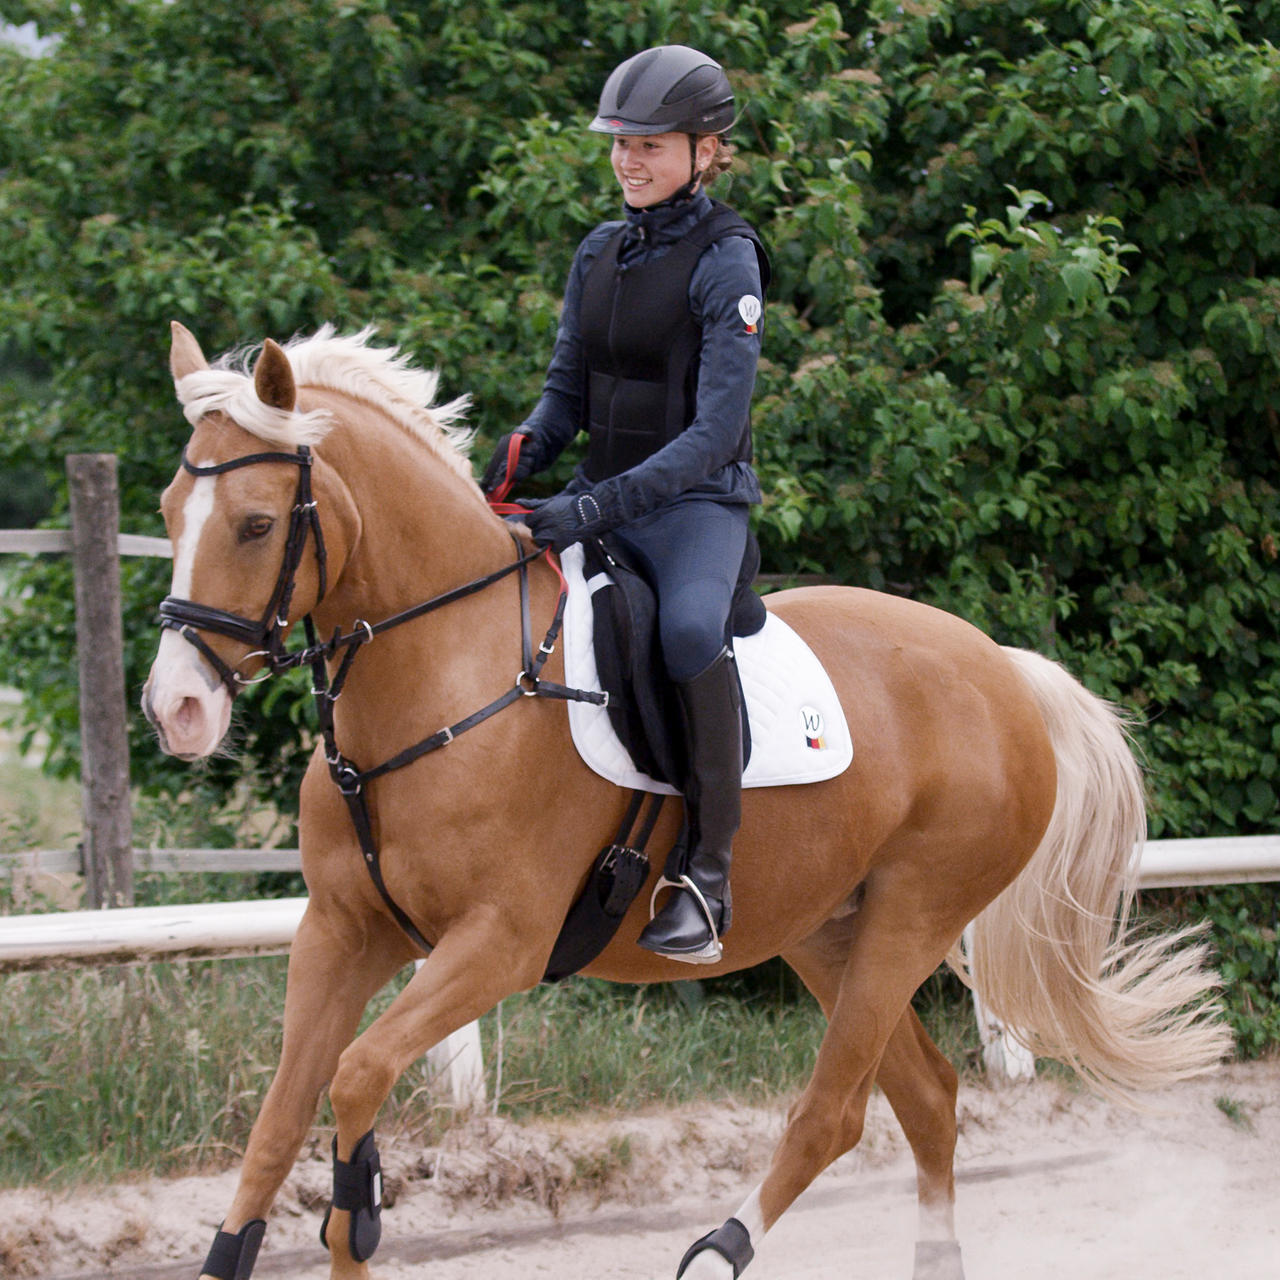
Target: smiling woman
656, 358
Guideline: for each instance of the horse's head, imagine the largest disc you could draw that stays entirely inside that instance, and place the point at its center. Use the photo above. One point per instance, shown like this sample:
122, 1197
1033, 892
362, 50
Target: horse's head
249, 557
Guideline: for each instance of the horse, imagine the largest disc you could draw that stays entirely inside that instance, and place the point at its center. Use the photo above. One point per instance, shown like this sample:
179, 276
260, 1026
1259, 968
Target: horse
322, 486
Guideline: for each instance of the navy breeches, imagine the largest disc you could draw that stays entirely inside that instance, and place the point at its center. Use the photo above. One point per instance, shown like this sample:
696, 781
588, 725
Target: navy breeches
692, 553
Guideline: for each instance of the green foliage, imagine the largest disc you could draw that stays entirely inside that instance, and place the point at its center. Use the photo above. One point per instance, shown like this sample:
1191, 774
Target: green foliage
1246, 931
1022, 351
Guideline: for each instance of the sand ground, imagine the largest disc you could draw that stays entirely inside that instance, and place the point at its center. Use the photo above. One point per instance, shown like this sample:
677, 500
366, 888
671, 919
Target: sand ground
1052, 1183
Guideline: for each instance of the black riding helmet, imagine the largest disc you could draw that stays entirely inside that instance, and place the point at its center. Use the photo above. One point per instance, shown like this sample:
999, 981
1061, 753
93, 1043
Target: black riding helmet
668, 89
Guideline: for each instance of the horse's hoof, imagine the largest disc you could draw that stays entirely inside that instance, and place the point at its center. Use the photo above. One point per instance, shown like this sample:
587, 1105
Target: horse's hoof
938, 1260
708, 1266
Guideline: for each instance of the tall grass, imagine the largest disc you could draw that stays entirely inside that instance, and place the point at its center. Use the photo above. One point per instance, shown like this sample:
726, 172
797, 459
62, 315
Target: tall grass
158, 1068
162, 1069
588, 1044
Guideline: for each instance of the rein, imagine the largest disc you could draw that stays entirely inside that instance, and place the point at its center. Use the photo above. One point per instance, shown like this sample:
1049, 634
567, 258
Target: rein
188, 618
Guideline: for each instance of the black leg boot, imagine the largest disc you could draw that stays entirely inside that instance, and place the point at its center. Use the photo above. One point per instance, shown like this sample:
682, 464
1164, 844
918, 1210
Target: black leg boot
697, 910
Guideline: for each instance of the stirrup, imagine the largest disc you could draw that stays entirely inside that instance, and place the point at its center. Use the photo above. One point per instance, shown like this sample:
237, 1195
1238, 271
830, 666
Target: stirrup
714, 950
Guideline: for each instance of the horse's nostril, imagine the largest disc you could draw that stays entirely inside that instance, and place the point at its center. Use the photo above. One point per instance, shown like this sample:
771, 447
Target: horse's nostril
189, 714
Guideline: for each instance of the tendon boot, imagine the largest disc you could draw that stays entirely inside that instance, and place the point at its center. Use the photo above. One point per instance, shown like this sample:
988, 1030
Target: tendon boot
697, 910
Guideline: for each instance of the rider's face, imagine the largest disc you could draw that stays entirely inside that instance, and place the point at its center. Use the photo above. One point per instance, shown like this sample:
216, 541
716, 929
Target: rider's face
653, 167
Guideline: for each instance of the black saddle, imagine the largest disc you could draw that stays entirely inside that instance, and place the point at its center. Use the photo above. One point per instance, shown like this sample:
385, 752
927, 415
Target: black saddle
642, 701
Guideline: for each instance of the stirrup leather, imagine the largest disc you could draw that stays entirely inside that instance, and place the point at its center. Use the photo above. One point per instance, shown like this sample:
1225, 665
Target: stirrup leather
713, 951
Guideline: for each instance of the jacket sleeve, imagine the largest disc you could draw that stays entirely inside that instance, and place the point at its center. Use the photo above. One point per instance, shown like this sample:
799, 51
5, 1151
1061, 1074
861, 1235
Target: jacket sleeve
725, 297
557, 417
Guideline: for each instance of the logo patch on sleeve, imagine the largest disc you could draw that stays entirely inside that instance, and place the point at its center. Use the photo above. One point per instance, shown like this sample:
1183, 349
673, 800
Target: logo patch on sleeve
750, 309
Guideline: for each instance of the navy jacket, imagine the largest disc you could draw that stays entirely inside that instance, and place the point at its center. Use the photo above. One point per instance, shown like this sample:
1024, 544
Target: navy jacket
699, 462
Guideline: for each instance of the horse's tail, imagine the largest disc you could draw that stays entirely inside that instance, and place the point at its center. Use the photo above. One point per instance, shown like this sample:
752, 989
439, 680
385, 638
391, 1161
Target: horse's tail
1055, 957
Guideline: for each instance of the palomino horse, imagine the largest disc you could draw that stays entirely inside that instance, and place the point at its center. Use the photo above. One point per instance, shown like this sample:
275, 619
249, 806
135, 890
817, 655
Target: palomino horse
987, 785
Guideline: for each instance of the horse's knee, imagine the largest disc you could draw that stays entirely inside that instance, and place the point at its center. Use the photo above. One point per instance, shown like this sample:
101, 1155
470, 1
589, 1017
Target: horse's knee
359, 1086
821, 1130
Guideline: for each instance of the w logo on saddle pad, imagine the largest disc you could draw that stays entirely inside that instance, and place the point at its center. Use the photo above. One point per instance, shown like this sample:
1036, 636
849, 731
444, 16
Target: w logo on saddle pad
814, 725
798, 729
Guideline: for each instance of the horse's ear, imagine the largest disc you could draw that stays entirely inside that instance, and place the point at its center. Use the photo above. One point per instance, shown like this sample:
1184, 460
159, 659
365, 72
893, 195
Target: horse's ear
273, 378
185, 355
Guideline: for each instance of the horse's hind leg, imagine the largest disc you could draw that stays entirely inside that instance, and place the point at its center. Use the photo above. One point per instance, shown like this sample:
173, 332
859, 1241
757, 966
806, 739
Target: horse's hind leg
920, 1085
863, 970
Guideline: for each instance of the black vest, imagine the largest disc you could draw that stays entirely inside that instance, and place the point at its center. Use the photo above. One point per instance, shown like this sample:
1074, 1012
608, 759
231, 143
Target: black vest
641, 347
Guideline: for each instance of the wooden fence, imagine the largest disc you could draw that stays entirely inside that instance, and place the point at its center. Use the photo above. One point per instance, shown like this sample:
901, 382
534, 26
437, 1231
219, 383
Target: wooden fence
96, 545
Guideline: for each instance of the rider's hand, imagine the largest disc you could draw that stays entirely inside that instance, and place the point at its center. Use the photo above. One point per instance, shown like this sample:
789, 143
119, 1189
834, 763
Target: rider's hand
495, 474
565, 519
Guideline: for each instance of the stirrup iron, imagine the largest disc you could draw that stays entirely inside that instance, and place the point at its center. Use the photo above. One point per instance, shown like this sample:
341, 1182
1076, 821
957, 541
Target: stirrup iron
714, 950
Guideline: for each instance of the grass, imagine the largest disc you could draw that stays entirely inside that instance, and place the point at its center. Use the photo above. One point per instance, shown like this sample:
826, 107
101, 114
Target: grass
1235, 1111
590, 1045
36, 812
161, 1069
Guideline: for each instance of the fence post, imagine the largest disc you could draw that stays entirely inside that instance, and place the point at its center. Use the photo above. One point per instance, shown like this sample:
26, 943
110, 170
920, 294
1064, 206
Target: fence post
104, 743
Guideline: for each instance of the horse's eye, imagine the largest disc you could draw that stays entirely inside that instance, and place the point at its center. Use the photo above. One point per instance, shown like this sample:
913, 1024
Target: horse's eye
256, 527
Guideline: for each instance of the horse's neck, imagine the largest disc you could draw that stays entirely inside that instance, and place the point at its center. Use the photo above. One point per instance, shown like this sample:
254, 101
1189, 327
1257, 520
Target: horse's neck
423, 528
423, 531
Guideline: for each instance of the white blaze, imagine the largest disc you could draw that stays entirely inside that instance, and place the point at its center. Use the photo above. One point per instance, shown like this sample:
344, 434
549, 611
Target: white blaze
195, 515
190, 706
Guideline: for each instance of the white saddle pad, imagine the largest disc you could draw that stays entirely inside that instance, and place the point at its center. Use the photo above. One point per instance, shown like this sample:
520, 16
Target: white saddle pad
798, 728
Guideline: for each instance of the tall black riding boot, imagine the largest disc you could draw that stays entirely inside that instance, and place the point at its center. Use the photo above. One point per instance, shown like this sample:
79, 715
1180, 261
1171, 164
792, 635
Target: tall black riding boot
698, 908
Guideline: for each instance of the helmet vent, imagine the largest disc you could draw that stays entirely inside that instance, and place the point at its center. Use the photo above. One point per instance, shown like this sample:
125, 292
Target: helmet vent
699, 79
635, 73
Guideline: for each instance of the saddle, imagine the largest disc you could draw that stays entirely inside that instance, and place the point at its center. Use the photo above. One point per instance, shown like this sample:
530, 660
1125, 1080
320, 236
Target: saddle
642, 706
611, 643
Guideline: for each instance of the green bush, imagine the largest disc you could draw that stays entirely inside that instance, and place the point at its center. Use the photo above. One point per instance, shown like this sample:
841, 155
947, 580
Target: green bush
1022, 351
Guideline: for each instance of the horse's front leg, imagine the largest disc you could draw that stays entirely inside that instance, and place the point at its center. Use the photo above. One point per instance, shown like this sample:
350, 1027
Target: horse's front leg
480, 959
335, 968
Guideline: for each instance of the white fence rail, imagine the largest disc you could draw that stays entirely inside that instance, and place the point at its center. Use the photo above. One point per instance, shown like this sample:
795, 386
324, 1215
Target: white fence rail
138, 935
1176, 864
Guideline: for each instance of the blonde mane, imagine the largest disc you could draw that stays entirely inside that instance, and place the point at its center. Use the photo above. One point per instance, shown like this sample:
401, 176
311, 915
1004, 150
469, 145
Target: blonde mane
380, 376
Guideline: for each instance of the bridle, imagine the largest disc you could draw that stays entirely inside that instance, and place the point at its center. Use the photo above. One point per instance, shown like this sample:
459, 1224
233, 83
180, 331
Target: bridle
267, 634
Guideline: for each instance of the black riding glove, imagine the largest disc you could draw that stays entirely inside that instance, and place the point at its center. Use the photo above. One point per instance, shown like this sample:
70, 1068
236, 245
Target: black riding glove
495, 474
567, 518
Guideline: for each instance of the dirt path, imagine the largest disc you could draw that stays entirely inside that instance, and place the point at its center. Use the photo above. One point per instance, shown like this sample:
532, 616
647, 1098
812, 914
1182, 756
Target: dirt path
1052, 1185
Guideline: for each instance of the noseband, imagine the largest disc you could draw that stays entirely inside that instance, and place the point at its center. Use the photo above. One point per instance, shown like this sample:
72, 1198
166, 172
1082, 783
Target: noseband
266, 635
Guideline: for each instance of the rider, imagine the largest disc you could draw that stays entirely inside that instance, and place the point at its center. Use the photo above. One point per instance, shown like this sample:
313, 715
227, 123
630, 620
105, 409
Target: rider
656, 359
